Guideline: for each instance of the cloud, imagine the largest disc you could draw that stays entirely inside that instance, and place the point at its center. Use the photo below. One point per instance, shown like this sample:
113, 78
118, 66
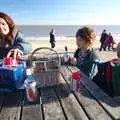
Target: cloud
20, 12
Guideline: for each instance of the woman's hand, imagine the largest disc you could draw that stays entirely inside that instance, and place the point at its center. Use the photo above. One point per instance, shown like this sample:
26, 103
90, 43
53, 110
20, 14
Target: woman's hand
15, 53
73, 61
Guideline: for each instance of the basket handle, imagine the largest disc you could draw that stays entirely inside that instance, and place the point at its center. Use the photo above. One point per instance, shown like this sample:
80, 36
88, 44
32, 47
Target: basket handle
31, 56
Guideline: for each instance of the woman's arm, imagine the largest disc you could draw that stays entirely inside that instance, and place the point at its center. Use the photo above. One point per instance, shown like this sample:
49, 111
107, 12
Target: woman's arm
21, 44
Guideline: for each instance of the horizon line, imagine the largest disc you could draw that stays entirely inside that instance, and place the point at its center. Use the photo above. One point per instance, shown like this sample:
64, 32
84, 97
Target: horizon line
66, 25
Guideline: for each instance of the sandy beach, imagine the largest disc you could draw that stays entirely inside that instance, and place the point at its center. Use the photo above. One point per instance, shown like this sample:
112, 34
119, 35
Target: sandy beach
60, 44
71, 44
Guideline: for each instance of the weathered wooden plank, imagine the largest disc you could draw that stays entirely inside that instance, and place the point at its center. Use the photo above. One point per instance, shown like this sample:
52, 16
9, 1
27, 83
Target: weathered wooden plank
1, 100
92, 107
51, 106
117, 99
31, 111
72, 108
12, 106
94, 110
108, 103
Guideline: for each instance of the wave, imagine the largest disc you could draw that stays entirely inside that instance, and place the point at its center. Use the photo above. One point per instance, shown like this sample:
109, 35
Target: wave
115, 36
47, 38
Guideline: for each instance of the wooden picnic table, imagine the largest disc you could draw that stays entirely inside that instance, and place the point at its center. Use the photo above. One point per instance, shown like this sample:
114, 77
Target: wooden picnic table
59, 103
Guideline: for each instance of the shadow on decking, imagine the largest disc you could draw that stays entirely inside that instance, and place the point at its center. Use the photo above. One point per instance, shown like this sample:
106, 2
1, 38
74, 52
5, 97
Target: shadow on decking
51, 95
48, 95
45, 96
100, 99
96, 93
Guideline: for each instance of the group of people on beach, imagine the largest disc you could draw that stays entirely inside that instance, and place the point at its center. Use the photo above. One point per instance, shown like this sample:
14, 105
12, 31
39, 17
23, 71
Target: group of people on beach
12, 43
106, 41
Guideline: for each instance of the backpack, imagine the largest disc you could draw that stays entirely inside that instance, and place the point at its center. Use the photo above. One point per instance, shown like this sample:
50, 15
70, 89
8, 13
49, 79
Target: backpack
103, 77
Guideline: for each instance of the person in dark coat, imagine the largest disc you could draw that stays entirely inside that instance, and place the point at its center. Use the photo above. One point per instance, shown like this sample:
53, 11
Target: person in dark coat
52, 38
102, 39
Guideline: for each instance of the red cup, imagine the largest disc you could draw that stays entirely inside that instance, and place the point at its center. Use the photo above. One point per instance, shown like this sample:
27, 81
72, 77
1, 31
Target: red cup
76, 75
9, 61
76, 82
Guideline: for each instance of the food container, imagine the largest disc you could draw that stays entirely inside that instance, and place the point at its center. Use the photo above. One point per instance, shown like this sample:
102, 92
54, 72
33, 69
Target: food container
46, 66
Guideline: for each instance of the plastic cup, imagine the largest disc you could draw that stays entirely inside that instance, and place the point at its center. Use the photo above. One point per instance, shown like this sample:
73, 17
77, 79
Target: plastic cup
9, 61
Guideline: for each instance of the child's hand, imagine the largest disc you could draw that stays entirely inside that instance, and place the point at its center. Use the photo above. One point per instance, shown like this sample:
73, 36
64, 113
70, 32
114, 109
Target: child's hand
73, 61
15, 53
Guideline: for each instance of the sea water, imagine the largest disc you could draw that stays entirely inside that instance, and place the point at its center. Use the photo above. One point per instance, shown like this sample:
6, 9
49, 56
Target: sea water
63, 32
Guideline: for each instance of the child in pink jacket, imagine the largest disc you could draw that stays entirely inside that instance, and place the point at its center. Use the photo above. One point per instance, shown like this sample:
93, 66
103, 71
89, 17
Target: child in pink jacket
109, 42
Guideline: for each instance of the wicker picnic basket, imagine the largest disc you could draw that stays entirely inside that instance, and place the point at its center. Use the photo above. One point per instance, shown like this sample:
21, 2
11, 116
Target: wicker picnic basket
46, 66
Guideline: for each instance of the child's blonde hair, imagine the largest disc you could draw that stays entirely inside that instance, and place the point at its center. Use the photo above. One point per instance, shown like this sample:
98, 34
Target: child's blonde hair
88, 34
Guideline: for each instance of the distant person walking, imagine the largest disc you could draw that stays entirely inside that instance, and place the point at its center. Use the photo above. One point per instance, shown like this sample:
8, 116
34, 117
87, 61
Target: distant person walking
52, 38
102, 39
109, 42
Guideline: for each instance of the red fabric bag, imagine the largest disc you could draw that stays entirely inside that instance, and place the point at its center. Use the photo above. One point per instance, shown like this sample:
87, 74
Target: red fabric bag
109, 71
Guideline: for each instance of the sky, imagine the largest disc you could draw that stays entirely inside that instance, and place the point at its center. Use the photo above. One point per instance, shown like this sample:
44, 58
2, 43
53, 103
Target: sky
62, 12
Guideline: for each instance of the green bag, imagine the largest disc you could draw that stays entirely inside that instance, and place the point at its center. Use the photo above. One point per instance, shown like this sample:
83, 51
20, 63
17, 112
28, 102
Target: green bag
116, 78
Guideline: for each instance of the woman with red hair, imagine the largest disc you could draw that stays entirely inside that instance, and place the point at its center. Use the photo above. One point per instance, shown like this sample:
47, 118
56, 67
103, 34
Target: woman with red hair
12, 42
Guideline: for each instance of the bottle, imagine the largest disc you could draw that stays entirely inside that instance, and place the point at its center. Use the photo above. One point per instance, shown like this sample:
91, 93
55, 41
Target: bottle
66, 55
75, 83
30, 86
